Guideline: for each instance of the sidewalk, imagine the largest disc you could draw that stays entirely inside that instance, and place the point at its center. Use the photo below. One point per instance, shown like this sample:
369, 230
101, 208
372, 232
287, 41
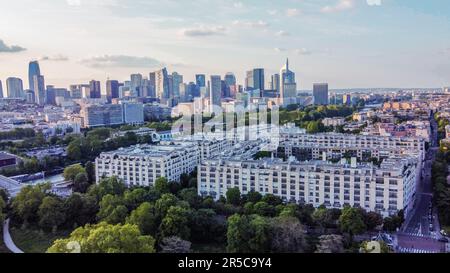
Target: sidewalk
8, 240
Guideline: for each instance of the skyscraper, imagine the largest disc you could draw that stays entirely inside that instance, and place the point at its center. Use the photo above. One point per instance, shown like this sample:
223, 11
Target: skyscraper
230, 79
33, 70
94, 90
39, 89
275, 83
14, 87
288, 86
255, 79
1, 90
112, 90
136, 85
177, 79
162, 85
200, 80
320, 93
215, 97
152, 85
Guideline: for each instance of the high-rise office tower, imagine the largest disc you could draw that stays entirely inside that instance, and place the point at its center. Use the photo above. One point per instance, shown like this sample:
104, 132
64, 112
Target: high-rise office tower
1, 90
177, 79
275, 83
29, 96
152, 85
50, 95
288, 86
200, 80
230, 79
94, 90
249, 81
347, 99
136, 85
215, 89
14, 88
255, 79
320, 93
33, 70
112, 90
39, 89
162, 85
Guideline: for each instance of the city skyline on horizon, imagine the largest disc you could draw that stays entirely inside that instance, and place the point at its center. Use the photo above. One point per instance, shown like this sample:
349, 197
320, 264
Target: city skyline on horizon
317, 36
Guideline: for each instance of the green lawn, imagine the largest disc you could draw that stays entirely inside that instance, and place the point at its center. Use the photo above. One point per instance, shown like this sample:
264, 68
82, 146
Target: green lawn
35, 241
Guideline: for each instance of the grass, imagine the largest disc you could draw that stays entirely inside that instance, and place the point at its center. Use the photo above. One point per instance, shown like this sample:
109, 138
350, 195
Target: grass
35, 241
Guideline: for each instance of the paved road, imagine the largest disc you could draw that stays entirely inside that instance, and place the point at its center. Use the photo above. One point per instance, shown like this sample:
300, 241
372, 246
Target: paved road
8, 240
420, 232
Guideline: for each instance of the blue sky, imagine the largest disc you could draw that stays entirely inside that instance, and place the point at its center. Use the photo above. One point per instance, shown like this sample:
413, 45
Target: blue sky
348, 43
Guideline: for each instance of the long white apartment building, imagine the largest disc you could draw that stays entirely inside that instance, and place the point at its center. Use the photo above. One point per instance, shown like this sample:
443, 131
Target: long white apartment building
141, 165
385, 189
381, 146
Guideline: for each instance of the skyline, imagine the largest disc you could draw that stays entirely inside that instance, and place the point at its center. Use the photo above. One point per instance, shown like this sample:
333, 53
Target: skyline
376, 40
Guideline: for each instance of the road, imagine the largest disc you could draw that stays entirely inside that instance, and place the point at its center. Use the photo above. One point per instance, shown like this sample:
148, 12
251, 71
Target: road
421, 230
8, 240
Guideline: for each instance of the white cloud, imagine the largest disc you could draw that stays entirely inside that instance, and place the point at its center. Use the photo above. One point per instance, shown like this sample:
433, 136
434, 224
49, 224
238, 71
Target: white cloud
56, 58
238, 5
204, 31
278, 49
121, 61
10, 49
253, 24
283, 33
73, 2
302, 51
374, 2
292, 12
341, 5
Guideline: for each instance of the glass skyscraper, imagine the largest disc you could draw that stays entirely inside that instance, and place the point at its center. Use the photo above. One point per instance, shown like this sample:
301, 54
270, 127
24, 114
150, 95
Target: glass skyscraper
33, 70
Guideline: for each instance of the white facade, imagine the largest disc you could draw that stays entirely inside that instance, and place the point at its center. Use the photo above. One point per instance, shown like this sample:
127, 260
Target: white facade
386, 189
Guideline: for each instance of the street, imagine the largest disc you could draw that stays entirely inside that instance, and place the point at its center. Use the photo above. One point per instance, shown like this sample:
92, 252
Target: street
421, 231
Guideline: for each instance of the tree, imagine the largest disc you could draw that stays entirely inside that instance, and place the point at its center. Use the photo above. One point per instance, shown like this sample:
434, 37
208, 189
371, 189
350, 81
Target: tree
234, 196
111, 185
4, 195
144, 217
287, 235
105, 238
373, 220
247, 234
272, 200
81, 183
81, 209
74, 150
254, 197
72, 171
90, 170
163, 204
175, 245
51, 213
352, 221
2, 214
330, 244
263, 209
136, 197
206, 226
161, 185
26, 204
175, 223
112, 209
326, 218
191, 196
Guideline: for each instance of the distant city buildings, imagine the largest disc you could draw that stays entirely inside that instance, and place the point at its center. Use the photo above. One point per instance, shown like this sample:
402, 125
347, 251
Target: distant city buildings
320, 94
288, 86
215, 87
14, 87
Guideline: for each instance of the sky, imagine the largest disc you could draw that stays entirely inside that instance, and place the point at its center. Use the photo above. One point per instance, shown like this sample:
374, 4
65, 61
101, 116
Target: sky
347, 43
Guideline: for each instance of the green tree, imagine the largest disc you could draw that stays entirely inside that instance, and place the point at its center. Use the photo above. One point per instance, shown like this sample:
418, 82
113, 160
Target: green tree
144, 217
162, 185
163, 204
51, 213
247, 234
72, 171
254, 197
90, 170
105, 238
4, 195
373, 220
134, 198
175, 223
112, 209
81, 209
2, 213
330, 244
111, 185
234, 196
74, 151
26, 204
81, 183
352, 221
191, 196
263, 209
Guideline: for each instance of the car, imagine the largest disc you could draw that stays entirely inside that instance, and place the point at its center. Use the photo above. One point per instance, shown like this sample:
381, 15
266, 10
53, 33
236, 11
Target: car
443, 240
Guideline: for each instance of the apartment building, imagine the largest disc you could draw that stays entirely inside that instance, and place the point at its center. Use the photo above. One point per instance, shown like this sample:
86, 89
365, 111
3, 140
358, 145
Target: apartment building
385, 189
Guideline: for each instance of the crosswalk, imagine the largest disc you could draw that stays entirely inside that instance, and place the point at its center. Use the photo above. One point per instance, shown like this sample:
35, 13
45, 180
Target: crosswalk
416, 251
432, 235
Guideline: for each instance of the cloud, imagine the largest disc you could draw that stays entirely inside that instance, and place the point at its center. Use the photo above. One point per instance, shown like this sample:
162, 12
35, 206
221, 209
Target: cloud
282, 33
374, 2
302, 51
272, 12
278, 49
74, 2
55, 58
238, 5
10, 49
252, 24
203, 31
292, 12
341, 5
121, 61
